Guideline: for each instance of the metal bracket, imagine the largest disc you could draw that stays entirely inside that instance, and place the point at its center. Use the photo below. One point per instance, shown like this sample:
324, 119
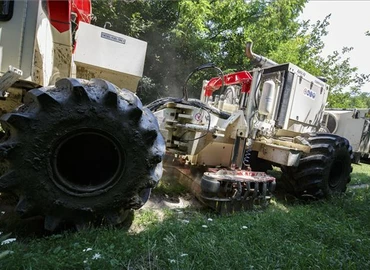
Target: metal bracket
8, 79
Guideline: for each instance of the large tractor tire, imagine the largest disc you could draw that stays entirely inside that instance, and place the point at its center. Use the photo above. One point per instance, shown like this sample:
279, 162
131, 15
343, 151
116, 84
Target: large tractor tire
81, 152
324, 171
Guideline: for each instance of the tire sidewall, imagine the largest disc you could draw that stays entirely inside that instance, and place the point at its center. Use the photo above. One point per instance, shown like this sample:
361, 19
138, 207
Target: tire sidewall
337, 172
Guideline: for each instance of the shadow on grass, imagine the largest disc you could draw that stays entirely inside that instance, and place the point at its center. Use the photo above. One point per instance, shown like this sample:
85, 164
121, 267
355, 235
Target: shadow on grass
289, 234
33, 227
10, 222
171, 191
328, 234
365, 160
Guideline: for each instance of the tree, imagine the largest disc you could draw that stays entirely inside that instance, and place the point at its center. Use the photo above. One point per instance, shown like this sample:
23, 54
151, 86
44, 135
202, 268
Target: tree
184, 34
151, 21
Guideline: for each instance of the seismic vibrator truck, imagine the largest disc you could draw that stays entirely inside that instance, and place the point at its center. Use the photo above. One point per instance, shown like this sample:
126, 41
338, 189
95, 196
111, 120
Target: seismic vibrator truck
78, 146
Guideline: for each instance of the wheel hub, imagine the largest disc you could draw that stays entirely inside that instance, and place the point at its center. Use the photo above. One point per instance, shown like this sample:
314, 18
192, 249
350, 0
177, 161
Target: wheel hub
86, 162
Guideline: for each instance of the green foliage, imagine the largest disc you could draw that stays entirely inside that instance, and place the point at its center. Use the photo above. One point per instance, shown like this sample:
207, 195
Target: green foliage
184, 34
348, 100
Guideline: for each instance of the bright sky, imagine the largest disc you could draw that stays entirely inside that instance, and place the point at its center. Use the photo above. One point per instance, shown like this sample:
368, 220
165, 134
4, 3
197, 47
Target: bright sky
348, 23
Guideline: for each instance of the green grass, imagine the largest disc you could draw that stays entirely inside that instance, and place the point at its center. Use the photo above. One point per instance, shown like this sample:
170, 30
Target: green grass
169, 187
360, 174
332, 234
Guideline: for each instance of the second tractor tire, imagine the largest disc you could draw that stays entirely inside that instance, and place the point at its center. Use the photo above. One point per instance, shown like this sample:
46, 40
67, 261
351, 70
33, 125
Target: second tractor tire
323, 172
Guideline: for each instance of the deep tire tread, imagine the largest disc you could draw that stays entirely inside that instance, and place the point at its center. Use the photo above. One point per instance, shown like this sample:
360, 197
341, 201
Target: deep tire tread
135, 113
25, 208
43, 99
73, 105
313, 175
9, 181
17, 120
111, 96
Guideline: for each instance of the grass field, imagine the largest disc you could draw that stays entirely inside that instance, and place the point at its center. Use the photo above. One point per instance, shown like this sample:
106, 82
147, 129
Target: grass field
332, 234
360, 174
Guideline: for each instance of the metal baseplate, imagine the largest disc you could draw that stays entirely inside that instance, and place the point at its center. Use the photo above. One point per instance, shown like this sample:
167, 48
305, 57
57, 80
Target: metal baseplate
228, 191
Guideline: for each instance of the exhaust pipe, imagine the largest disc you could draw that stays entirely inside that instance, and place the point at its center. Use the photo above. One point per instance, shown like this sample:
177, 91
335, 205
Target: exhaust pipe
258, 60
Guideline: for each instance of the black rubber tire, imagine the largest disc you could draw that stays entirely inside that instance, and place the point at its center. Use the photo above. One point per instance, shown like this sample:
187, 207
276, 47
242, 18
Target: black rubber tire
324, 171
81, 151
356, 158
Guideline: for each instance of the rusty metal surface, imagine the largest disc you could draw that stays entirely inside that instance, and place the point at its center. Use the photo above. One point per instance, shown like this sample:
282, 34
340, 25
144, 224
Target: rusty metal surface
238, 190
239, 175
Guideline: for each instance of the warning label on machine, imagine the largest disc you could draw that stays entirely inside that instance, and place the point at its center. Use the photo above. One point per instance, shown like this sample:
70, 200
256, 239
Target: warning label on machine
113, 38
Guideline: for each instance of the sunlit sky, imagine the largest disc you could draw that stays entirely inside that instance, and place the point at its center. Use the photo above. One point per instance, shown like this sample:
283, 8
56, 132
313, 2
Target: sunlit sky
348, 23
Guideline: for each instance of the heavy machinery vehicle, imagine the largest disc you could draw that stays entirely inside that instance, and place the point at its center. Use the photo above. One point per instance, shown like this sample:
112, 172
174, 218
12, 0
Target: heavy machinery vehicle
78, 150
353, 124
87, 152
270, 116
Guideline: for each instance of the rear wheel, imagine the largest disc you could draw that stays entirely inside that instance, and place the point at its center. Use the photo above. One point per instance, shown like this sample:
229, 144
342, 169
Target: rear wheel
81, 152
324, 171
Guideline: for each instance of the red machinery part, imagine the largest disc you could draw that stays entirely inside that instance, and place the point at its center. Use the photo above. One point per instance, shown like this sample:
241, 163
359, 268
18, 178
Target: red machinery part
59, 13
239, 175
242, 77
83, 10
